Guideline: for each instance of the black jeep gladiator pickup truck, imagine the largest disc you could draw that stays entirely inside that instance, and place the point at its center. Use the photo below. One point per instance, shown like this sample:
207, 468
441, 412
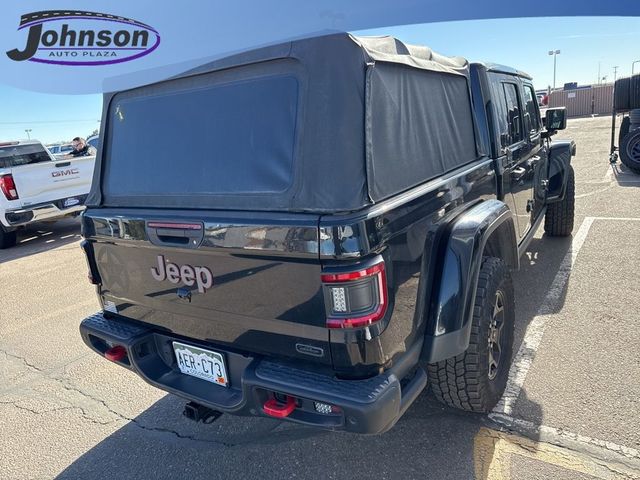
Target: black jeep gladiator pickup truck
340, 236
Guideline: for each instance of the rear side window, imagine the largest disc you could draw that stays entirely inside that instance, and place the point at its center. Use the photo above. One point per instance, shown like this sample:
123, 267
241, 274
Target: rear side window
508, 112
17, 155
514, 113
192, 138
500, 107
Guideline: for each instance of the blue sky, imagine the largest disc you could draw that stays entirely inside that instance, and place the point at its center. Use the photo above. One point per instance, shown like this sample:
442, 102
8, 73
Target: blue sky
585, 43
50, 117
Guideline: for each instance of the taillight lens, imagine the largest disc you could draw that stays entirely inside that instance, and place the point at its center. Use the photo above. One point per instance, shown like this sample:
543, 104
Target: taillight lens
8, 187
357, 298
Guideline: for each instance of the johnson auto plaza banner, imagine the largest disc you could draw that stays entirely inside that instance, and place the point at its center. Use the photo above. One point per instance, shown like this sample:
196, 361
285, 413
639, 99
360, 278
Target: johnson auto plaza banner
88, 47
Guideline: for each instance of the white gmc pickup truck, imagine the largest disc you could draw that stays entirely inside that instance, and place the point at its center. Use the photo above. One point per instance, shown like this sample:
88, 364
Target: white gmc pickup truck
35, 186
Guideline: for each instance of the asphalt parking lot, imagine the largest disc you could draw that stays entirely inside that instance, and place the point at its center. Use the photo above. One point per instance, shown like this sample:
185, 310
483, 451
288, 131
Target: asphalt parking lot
571, 411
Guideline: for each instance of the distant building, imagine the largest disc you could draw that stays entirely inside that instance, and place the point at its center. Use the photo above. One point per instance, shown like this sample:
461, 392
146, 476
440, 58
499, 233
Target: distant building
584, 100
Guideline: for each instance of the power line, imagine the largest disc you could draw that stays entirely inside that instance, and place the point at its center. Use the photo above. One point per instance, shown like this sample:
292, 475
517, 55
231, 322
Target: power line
50, 121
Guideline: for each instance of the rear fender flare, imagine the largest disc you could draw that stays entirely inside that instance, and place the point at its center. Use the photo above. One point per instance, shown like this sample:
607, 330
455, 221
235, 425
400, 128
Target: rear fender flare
486, 226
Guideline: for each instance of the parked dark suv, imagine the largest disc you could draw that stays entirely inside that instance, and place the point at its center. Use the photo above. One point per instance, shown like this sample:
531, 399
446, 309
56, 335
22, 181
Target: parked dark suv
341, 236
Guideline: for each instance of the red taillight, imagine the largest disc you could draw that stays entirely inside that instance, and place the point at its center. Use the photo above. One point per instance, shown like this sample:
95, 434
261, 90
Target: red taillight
8, 187
343, 287
349, 276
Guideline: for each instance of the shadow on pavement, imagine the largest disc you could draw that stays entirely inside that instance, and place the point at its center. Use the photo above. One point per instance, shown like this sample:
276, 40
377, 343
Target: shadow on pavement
538, 268
429, 441
625, 177
42, 236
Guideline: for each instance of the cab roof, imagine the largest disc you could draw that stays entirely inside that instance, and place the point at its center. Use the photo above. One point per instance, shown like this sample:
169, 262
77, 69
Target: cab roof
498, 68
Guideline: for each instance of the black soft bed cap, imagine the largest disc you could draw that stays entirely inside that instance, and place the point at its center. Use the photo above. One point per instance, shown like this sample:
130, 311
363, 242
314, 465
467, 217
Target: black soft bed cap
324, 124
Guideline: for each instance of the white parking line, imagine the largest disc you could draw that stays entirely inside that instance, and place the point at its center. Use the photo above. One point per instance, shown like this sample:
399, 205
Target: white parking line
595, 192
557, 435
535, 329
618, 219
617, 174
533, 335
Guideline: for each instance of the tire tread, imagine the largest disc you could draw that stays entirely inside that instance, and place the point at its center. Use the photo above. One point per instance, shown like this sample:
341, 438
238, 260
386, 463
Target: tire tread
558, 221
458, 381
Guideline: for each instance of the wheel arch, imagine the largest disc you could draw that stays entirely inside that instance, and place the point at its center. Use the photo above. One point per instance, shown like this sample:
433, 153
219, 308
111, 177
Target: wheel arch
560, 153
486, 228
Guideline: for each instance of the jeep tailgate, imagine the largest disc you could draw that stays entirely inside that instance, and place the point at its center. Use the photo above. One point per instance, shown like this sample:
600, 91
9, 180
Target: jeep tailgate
242, 280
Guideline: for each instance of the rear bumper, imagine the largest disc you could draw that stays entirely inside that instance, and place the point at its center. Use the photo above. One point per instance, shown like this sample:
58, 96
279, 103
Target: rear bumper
368, 406
46, 211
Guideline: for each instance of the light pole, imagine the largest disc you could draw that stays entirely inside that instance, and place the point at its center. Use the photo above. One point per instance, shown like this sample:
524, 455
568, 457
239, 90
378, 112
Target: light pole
615, 73
28, 130
633, 64
554, 53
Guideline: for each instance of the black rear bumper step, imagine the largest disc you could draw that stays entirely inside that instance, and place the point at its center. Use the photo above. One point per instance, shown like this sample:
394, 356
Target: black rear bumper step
117, 331
371, 405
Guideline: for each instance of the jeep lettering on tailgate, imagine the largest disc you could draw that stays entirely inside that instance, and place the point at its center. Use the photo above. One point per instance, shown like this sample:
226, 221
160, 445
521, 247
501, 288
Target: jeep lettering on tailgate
201, 276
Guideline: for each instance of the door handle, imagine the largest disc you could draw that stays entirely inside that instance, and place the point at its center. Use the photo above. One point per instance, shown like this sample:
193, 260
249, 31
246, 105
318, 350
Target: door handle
518, 173
63, 164
175, 234
533, 161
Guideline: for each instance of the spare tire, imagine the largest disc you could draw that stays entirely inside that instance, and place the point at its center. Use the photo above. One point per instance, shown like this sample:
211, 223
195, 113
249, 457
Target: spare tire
621, 94
630, 151
634, 119
624, 129
634, 92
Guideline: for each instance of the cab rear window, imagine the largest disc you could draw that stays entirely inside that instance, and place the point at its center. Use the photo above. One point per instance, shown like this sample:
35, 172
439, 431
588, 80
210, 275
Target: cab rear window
17, 155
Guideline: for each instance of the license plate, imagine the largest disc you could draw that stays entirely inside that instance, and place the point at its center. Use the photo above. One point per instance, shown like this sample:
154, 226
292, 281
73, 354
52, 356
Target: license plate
69, 202
200, 363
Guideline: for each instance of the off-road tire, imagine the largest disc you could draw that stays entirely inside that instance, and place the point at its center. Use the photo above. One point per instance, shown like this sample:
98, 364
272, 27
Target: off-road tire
634, 92
558, 221
622, 93
625, 126
630, 151
7, 239
464, 382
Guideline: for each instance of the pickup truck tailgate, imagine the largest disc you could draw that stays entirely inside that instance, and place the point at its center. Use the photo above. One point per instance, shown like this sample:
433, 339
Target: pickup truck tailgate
47, 181
233, 279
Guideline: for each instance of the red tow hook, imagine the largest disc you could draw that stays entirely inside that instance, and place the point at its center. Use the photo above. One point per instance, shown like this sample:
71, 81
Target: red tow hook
115, 354
276, 409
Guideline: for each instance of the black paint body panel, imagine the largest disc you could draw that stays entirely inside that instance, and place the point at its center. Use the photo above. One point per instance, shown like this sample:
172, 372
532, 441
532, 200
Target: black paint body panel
266, 295
267, 298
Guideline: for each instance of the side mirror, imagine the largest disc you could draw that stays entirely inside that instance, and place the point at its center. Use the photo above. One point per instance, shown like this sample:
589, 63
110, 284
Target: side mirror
556, 119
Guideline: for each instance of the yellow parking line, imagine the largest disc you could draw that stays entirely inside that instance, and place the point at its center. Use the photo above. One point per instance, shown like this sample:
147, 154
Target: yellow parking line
493, 451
